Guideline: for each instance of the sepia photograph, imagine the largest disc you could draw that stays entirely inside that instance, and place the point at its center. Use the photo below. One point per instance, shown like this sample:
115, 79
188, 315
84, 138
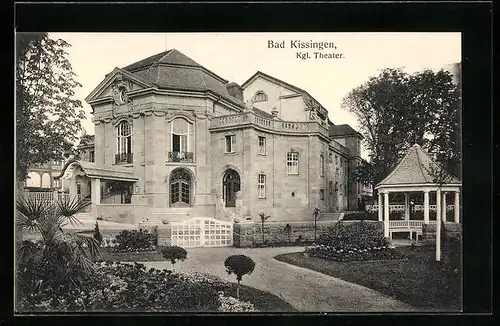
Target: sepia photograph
238, 172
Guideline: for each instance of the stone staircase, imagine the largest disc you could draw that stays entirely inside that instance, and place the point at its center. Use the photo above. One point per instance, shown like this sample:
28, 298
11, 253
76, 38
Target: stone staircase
331, 216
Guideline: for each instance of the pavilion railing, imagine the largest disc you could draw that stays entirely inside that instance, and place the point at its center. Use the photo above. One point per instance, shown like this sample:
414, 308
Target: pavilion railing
401, 208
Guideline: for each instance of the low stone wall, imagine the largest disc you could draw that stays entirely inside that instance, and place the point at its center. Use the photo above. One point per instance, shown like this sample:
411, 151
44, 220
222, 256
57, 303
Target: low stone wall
250, 234
121, 213
453, 231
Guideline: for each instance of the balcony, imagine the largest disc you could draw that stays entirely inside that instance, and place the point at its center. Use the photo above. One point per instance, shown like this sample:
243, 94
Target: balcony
182, 157
124, 158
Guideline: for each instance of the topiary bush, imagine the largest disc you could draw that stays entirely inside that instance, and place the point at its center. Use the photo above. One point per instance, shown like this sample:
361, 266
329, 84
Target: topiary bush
174, 253
239, 265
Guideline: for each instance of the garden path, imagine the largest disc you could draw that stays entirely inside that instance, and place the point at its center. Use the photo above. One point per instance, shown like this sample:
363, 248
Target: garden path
306, 290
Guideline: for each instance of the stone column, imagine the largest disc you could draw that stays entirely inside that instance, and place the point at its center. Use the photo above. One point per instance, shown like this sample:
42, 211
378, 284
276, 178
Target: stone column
438, 225
407, 207
380, 206
96, 191
443, 210
457, 206
72, 188
386, 214
426, 207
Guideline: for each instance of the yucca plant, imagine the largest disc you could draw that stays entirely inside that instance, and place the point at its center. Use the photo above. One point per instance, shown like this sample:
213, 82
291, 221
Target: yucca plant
56, 258
263, 219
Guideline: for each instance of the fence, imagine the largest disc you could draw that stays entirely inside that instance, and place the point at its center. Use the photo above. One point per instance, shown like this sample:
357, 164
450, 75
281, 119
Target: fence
46, 196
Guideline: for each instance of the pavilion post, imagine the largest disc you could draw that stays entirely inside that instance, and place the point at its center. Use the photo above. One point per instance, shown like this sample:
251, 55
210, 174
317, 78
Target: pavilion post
457, 207
96, 191
444, 209
426, 206
407, 207
438, 225
380, 206
386, 214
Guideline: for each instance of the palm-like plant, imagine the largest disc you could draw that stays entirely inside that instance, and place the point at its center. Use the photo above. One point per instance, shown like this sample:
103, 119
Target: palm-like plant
263, 219
58, 258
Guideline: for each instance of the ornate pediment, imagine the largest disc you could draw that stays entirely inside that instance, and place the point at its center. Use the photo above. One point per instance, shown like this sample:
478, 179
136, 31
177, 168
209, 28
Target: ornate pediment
118, 85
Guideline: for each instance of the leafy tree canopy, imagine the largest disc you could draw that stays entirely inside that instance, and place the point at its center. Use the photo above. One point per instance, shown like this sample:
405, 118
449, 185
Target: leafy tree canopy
396, 109
48, 115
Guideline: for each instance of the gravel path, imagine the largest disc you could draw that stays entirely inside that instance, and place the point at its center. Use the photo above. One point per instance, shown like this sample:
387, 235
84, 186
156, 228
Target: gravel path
306, 290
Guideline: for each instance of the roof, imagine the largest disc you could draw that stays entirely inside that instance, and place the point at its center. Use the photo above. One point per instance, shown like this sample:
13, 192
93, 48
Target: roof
310, 100
262, 113
342, 130
174, 70
101, 171
416, 167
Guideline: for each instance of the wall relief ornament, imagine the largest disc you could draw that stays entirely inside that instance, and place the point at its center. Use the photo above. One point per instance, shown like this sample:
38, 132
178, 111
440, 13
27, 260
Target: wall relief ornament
120, 90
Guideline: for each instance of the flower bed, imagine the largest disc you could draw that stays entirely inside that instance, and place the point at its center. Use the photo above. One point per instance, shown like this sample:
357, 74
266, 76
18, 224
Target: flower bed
353, 254
133, 288
352, 242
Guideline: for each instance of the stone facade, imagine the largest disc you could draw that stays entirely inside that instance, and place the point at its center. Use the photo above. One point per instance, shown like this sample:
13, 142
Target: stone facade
207, 133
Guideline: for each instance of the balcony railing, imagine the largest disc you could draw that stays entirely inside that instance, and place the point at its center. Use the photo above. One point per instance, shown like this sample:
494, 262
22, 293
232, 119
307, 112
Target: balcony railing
124, 158
183, 157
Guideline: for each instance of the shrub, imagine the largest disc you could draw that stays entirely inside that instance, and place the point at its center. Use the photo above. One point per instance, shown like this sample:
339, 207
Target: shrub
360, 235
97, 233
361, 217
192, 297
174, 253
239, 265
133, 240
357, 241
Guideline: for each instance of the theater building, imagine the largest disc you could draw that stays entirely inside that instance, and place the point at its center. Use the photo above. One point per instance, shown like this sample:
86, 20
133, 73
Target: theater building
174, 140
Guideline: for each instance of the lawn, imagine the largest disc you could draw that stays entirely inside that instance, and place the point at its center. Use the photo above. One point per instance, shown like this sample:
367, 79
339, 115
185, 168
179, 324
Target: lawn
419, 281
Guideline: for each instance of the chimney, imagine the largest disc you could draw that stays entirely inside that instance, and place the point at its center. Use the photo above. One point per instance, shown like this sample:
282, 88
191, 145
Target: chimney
235, 90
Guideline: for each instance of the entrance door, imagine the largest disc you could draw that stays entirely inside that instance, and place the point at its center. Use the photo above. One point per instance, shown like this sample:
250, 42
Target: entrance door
231, 185
180, 188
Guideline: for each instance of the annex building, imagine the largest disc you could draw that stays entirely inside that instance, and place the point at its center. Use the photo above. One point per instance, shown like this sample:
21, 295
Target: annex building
174, 140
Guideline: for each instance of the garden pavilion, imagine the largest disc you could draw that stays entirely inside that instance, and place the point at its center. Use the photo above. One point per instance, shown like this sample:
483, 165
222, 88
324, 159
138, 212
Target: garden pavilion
417, 172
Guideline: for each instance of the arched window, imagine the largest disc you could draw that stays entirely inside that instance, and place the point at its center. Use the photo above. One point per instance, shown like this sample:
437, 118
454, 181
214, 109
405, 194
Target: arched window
260, 96
181, 132
46, 180
123, 143
33, 180
180, 188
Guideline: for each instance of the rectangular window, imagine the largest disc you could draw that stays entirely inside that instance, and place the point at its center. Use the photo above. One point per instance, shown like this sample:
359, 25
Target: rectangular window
91, 156
330, 158
322, 194
292, 163
336, 160
322, 164
261, 186
262, 145
330, 187
230, 142
57, 183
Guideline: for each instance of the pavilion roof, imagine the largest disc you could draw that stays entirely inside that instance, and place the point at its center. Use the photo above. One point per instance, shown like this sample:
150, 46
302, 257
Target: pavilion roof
417, 168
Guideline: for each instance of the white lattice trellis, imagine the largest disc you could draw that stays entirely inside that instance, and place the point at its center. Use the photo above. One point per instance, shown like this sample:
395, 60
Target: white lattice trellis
202, 232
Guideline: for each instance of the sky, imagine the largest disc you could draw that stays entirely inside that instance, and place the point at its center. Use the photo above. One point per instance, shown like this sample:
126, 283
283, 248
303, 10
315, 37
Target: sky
237, 56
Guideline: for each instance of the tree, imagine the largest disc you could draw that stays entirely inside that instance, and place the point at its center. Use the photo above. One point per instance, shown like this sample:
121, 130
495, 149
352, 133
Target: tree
263, 219
97, 233
239, 265
395, 110
61, 259
48, 115
174, 253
